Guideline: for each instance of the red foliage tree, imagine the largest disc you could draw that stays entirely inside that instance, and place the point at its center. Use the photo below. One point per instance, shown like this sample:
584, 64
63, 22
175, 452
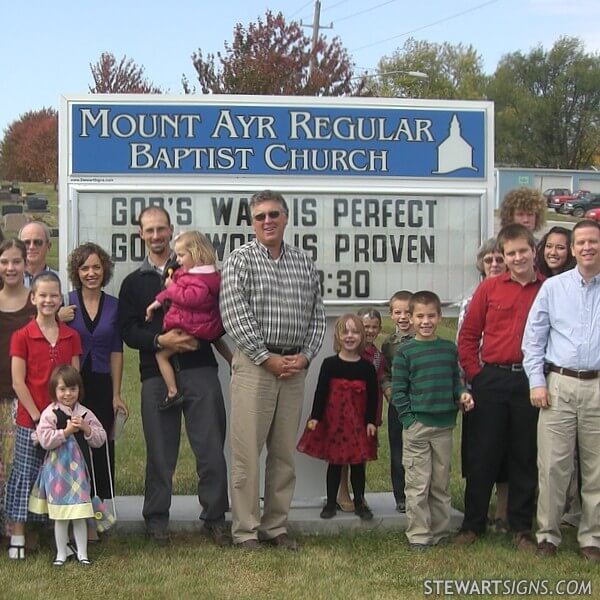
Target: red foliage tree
124, 77
29, 150
274, 57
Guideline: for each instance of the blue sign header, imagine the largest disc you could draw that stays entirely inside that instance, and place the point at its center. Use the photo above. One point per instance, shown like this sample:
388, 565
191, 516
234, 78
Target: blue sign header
186, 139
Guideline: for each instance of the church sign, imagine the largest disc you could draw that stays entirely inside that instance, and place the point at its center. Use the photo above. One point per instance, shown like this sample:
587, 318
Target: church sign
383, 193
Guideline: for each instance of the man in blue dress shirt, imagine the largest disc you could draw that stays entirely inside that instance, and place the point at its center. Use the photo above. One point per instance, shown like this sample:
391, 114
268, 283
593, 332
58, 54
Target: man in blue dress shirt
562, 339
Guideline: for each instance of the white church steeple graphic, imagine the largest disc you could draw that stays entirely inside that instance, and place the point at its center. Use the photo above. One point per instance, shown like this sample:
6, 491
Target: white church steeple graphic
454, 152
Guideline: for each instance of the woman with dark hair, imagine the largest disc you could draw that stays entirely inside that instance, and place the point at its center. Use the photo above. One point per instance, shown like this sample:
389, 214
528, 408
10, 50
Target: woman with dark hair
553, 253
16, 310
90, 268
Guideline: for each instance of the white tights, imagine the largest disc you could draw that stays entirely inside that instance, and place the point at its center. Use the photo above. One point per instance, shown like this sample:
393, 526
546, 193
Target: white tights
61, 536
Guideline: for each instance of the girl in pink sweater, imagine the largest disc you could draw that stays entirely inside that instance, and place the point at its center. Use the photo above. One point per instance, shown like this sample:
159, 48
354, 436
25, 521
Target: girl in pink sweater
193, 292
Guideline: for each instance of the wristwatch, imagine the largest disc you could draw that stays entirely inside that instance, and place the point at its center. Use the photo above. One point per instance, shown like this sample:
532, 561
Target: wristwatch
156, 344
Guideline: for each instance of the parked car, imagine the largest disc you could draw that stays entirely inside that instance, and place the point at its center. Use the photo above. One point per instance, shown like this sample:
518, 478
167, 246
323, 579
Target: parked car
579, 195
578, 208
593, 214
555, 196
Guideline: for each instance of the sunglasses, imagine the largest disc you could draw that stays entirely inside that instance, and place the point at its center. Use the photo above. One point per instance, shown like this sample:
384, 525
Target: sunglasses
38, 243
488, 260
272, 214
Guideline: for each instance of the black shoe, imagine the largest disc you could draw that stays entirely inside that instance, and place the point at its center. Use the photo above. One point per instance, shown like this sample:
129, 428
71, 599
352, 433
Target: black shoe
401, 506
219, 532
160, 537
171, 401
329, 511
363, 511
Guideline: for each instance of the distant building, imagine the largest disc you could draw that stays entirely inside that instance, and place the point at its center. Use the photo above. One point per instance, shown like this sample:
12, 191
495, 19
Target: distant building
542, 179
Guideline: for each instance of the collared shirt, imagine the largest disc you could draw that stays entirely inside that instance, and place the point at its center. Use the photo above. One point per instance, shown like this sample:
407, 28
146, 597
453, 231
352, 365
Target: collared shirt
28, 277
272, 302
493, 325
563, 327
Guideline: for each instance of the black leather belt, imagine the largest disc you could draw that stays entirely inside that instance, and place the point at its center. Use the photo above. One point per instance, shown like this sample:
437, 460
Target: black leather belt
284, 351
572, 373
514, 367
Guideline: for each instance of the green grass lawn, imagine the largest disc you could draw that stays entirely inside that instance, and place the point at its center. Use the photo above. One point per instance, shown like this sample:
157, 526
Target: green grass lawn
374, 564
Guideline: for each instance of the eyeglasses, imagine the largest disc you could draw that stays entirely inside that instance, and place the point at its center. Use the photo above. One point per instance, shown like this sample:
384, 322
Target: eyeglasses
272, 214
488, 260
37, 242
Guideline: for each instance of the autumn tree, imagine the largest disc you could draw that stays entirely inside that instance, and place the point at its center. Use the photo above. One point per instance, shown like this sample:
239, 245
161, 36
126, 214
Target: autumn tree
452, 72
275, 57
124, 77
29, 149
548, 106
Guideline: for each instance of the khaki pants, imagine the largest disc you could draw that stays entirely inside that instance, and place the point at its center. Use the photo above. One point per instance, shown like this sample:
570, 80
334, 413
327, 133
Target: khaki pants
574, 413
265, 410
427, 455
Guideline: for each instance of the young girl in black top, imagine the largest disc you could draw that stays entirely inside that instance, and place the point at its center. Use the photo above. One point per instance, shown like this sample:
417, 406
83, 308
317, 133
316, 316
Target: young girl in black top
341, 428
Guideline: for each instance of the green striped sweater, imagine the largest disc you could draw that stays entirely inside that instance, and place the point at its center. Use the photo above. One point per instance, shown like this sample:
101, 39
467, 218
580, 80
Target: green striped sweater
426, 385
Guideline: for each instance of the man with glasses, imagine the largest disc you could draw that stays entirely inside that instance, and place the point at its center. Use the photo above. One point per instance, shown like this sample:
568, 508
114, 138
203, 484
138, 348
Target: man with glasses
272, 308
36, 237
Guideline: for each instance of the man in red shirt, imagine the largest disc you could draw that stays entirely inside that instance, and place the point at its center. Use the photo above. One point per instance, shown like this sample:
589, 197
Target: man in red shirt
489, 349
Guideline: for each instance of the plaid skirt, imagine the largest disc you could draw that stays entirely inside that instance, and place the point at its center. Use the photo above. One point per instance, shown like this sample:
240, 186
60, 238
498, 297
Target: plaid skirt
7, 449
26, 466
62, 489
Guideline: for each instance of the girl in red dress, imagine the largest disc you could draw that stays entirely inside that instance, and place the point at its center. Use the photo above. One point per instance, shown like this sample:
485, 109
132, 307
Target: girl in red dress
341, 428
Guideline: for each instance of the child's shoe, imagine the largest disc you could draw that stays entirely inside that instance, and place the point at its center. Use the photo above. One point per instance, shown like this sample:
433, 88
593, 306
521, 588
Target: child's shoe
16, 549
171, 401
328, 511
363, 511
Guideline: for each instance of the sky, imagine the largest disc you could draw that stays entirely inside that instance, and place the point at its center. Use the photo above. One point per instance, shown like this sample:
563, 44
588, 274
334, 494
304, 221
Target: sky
46, 48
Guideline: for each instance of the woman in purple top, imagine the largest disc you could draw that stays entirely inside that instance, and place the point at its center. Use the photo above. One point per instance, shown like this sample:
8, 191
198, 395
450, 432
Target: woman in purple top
95, 319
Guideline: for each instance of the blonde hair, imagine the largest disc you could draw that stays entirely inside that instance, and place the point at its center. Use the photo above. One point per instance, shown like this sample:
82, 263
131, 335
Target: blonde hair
199, 247
340, 330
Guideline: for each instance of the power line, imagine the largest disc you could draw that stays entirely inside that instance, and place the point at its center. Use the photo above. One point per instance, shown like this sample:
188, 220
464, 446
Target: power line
444, 20
301, 9
334, 5
367, 10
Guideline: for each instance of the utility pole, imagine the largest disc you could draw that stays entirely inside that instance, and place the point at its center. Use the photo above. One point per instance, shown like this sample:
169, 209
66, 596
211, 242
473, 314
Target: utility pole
316, 26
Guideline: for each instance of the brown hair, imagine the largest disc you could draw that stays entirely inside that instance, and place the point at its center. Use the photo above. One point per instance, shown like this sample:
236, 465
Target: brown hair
340, 329
199, 247
515, 232
425, 297
525, 199
154, 208
14, 243
369, 313
81, 254
45, 276
71, 378
400, 295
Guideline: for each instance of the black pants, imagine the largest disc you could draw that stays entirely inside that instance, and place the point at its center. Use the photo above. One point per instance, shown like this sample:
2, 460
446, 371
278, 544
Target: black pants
503, 421
396, 468
357, 479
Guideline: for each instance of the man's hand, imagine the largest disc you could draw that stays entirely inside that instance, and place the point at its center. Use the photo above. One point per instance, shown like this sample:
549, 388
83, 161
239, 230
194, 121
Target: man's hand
539, 397
312, 424
371, 430
285, 366
67, 313
177, 340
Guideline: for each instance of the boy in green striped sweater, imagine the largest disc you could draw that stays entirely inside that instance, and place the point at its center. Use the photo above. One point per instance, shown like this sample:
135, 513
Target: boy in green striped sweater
426, 392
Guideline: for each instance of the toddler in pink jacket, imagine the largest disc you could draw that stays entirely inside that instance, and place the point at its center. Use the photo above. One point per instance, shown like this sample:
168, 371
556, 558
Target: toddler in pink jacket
193, 293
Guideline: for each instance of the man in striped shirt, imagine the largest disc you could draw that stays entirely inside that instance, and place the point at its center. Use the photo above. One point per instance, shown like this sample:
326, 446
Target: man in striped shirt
272, 308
